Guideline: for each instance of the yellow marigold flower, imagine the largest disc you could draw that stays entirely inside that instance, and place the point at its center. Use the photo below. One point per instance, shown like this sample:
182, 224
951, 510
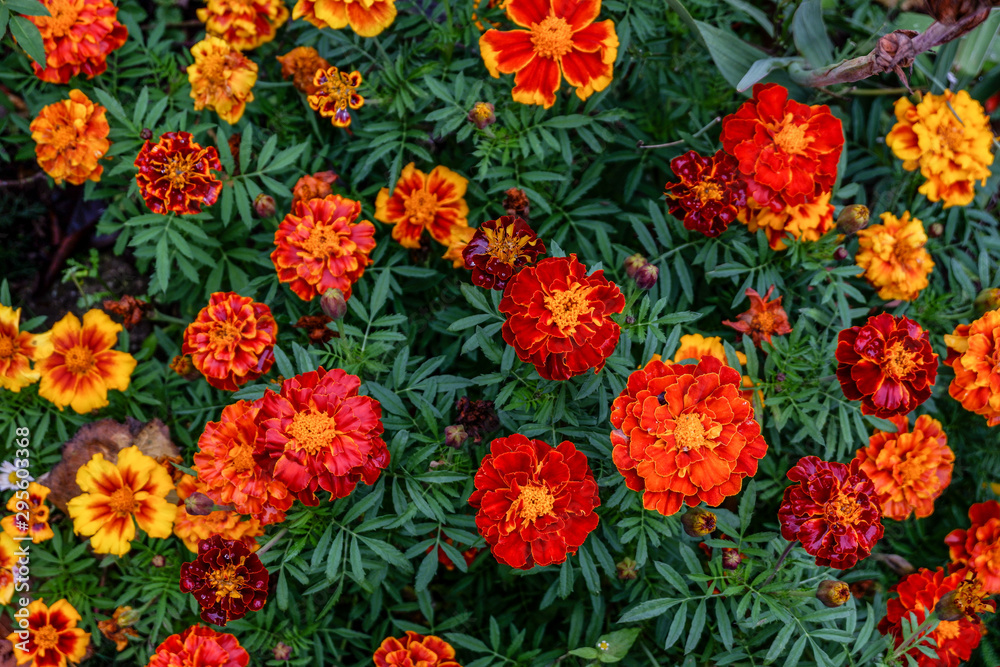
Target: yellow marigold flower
114, 494
70, 137
893, 257
947, 137
221, 78
366, 17
17, 350
300, 65
244, 24
8, 559
805, 222
30, 514
335, 92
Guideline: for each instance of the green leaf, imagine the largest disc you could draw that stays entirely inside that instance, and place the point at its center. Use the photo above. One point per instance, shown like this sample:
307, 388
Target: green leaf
747, 503
27, 7
380, 293
756, 14
246, 147
281, 360
28, 37
731, 55
809, 33
140, 106
762, 68
427, 570
697, 625
614, 646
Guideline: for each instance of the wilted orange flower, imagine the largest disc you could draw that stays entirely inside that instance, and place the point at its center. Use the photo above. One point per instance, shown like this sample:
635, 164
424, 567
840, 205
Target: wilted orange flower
365, 17
336, 91
119, 628
244, 24
765, 318
560, 40
17, 350
893, 257
129, 308
231, 340
435, 202
803, 222
909, 469
498, 249
948, 137
313, 186
710, 193
175, 174
78, 35
972, 353
193, 528
978, 546
84, 365
113, 493
200, 646
53, 638
221, 77
321, 245
415, 650
300, 65
71, 136
31, 505
684, 435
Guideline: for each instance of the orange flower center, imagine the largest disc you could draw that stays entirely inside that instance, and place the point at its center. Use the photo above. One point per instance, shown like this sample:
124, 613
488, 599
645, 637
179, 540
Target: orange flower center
312, 431
323, 243
334, 86
243, 459
225, 582
503, 246
898, 362
79, 360
420, 207
707, 191
64, 15
536, 500
46, 638
689, 432
552, 38
213, 66
177, 168
910, 470
948, 629
123, 502
764, 321
567, 306
482, 111
224, 333
953, 136
63, 137
791, 137
6, 347
843, 508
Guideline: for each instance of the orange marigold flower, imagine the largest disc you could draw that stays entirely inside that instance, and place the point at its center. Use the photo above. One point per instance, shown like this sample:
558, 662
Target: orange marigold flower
947, 137
221, 77
53, 638
174, 174
684, 434
244, 24
113, 493
893, 257
320, 245
17, 350
226, 579
787, 151
415, 650
696, 346
119, 628
804, 222
30, 506
561, 40
71, 136
559, 318
887, 364
909, 469
435, 202
460, 237
764, 319
535, 503
300, 65
225, 523
200, 646
978, 546
710, 193
8, 561
336, 91
314, 186
367, 18
498, 250
972, 353
78, 35
231, 340
83, 365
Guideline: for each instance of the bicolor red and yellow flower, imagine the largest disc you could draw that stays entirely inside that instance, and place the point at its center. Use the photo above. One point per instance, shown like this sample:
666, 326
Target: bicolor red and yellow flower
415, 650
802, 222
53, 636
71, 136
710, 194
8, 561
334, 93
764, 319
434, 201
200, 646
244, 24
973, 351
77, 35
893, 257
499, 249
227, 579
192, 528
31, 506
978, 546
367, 18
17, 350
175, 174
221, 77
301, 65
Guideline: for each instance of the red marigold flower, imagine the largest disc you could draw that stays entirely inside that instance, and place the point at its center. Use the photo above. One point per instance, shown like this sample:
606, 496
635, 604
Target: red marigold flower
231, 340
764, 319
314, 186
909, 469
710, 193
560, 39
78, 35
321, 246
787, 151
53, 638
887, 364
978, 546
335, 92
684, 434
972, 353
200, 646
174, 174
833, 511
434, 201
244, 25
559, 318
415, 650
367, 18
535, 502
320, 434
968, 600
499, 249
226, 579
301, 64
71, 136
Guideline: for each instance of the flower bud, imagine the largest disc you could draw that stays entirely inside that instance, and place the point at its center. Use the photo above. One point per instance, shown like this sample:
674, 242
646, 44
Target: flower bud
633, 263
948, 609
988, 299
158, 561
282, 651
146, 134
698, 522
833, 593
264, 206
629, 319
482, 115
198, 504
129, 616
853, 219
627, 569
935, 230
455, 435
731, 558
840, 254
646, 276
333, 303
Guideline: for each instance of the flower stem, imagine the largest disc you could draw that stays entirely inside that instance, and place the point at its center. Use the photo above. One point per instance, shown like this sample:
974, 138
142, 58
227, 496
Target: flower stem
681, 141
781, 559
271, 542
915, 638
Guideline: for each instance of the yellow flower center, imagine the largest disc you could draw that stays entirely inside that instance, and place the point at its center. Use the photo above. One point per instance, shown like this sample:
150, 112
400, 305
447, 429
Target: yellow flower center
952, 135
843, 508
79, 360
46, 638
224, 333
567, 306
689, 432
226, 583
707, 191
311, 431
64, 15
791, 137
503, 245
948, 629
243, 459
536, 500
482, 111
552, 38
123, 502
6, 347
62, 137
177, 168
322, 243
213, 66
420, 207
898, 362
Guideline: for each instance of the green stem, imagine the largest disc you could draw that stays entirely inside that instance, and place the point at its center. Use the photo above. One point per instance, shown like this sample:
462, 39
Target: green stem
781, 559
271, 542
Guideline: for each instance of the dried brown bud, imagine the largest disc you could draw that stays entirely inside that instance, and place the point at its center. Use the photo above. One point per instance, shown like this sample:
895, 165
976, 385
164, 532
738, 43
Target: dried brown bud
198, 504
158, 561
897, 564
833, 593
896, 50
988, 299
698, 522
482, 115
953, 11
129, 308
478, 417
646, 276
633, 263
935, 230
455, 435
853, 219
627, 569
515, 202
146, 134
315, 326
333, 303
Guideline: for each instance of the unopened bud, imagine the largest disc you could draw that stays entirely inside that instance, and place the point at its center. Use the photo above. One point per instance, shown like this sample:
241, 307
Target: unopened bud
455, 435
935, 230
482, 115
158, 561
282, 651
633, 263
731, 558
897, 564
698, 522
987, 300
333, 303
840, 254
833, 593
198, 504
853, 219
128, 617
627, 569
629, 319
146, 134
948, 609
646, 276
264, 206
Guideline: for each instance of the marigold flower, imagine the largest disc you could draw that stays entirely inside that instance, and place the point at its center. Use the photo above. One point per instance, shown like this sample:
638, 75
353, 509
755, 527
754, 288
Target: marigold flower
17, 350
129, 308
764, 318
804, 222
231, 340
460, 237
710, 193
226, 579
516, 202
787, 151
200, 646
833, 593
415, 650
78, 35
683, 434
367, 18
978, 546
118, 628
316, 325
321, 245
83, 365
313, 186
221, 77
300, 65
335, 92
560, 41
71, 136
174, 174
53, 638
435, 202
193, 528
696, 346
968, 600
887, 364
833, 511
909, 469
559, 318
498, 249
947, 137
34, 508
893, 257
972, 351
8, 560
482, 115
244, 24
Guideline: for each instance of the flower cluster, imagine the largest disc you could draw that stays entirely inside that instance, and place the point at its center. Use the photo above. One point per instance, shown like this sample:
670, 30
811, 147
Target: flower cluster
175, 174
71, 136
498, 249
893, 257
227, 579
78, 36
710, 194
972, 353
